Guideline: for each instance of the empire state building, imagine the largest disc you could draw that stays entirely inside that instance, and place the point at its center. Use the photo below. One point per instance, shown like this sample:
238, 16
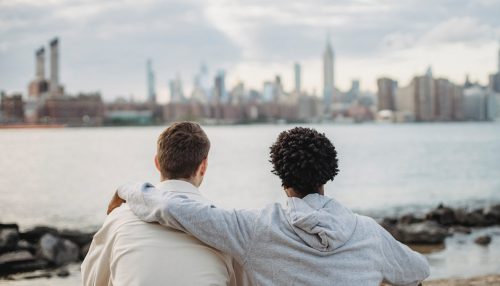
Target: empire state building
328, 77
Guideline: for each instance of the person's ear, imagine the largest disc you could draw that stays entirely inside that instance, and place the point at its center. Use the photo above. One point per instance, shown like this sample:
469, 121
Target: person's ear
157, 164
203, 166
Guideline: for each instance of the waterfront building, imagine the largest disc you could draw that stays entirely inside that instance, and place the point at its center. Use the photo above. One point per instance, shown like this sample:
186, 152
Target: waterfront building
11, 108
220, 93
475, 103
386, 94
82, 109
298, 77
328, 77
54, 87
444, 91
268, 91
176, 90
150, 76
39, 85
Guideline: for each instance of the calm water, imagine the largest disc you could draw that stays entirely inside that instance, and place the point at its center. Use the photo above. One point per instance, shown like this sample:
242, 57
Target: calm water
66, 177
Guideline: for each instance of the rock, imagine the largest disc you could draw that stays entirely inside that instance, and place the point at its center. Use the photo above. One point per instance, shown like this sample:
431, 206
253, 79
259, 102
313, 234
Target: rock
8, 239
9, 226
492, 214
460, 229
57, 250
443, 215
63, 273
16, 256
33, 235
78, 237
25, 245
483, 240
84, 250
20, 261
409, 219
473, 218
427, 232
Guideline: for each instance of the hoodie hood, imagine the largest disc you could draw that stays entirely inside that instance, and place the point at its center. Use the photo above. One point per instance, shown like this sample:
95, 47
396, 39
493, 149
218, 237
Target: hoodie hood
321, 222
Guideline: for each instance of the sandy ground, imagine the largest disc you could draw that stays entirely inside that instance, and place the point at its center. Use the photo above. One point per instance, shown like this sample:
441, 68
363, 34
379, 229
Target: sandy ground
477, 281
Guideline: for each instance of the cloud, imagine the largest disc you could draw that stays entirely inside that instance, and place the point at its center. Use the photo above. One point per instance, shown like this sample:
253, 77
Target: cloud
464, 30
104, 44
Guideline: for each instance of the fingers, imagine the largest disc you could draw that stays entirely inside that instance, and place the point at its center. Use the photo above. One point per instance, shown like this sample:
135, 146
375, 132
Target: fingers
115, 202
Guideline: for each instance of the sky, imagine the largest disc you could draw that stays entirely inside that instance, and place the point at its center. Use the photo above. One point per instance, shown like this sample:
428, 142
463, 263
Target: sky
105, 44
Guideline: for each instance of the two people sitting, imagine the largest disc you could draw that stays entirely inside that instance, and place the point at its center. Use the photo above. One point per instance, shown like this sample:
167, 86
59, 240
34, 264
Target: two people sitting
169, 234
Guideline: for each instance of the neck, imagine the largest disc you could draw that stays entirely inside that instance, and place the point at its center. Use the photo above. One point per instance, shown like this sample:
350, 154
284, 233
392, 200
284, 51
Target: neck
290, 192
192, 181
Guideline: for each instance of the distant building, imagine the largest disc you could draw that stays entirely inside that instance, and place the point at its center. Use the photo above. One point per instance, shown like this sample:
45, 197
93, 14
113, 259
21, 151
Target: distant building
458, 103
220, 93
475, 103
352, 94
268, 91
39, 85
386, 94
83, 109
123, 112
328, 77
176, 90
444, 91
297, 76
151, 82
11, 108
54, 87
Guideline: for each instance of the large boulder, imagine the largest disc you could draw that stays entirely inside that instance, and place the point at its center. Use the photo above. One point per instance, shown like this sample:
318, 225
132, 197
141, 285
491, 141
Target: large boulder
57, 250
428, 232
33, 235
78, 237
475, 218
443, 215
20, 261
492, 214
9, 236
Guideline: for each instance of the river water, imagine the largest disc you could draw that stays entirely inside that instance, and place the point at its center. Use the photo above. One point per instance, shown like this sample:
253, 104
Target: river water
65, 177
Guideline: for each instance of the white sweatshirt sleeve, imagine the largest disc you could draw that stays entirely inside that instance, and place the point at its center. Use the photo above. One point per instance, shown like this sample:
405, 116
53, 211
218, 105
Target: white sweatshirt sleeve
401, 265
229, 231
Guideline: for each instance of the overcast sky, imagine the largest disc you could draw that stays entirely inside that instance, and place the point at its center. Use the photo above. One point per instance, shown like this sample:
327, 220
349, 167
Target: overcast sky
105, 44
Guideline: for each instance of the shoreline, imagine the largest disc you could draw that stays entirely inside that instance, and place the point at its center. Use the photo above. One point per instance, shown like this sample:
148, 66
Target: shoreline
446, 236
493, 279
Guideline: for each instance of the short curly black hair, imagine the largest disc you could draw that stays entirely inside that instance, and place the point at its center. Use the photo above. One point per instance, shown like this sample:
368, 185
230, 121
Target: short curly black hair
304, 159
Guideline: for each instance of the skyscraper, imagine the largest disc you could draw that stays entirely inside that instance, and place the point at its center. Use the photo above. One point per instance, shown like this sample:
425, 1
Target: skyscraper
386, 94
297, 71
328, 76
176, 90
40, 64
54, 67
151, 82
221, 95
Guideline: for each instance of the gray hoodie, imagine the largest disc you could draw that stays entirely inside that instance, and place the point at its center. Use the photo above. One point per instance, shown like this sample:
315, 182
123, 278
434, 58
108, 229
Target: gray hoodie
310, 241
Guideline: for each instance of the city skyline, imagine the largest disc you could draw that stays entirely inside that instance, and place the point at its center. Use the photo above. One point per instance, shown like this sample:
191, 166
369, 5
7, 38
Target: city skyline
454, 43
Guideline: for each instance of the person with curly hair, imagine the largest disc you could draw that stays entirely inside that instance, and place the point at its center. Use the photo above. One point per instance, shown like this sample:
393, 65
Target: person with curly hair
312, 240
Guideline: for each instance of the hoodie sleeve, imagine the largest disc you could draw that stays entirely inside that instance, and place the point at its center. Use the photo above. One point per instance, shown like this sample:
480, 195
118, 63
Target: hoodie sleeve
229, 231
401, 265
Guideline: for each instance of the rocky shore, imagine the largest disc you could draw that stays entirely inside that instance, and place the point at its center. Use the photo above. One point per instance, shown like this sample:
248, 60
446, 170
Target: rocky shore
441, 222
51, 250
40, 248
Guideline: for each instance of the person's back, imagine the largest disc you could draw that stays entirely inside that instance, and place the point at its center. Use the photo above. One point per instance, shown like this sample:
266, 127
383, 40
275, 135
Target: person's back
128, 251
317, 241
